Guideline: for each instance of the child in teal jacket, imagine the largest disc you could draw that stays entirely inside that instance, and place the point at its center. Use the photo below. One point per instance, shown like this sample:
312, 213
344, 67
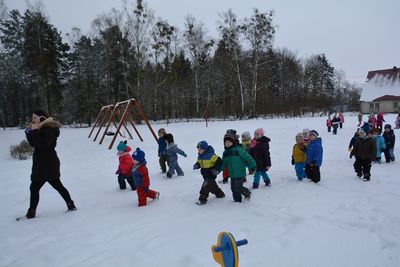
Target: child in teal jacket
236, 159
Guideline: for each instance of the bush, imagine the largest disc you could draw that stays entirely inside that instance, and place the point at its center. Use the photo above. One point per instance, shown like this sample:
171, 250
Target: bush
22, 151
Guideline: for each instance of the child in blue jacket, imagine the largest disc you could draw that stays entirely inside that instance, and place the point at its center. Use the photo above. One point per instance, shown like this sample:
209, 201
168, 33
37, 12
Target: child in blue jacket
380, 144
171, 152
314, 153
209, 163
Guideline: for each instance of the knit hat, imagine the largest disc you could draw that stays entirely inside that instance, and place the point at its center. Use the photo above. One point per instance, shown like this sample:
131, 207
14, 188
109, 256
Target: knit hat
246, 136
259, 131
138, 155
202, 145
231, 131
388, 126
229, 136
41, 113
299, 135
122, 146
169, 138
314, 132
306, 132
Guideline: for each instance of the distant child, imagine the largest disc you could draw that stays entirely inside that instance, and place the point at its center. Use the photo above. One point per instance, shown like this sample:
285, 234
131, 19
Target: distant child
380, 144
341, 119
372, 120
260, 153
329, 124
299, 157
209, 163
398, 122
364, 150
352, 141
172, 157
124, 171
360, 117
142, 180
366, 127
225, 174
246, 141
380, 120
162, 145
314, 154
306, 136
389, 137
237, 159
335, 124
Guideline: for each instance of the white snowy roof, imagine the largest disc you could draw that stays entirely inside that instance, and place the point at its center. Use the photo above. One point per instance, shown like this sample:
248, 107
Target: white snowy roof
380, 85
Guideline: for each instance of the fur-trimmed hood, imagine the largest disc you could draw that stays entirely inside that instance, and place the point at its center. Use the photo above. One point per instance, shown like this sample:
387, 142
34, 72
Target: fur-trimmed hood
50, 123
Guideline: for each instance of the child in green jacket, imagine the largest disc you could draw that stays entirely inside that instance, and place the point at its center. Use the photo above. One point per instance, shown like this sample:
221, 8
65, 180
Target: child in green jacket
236, 159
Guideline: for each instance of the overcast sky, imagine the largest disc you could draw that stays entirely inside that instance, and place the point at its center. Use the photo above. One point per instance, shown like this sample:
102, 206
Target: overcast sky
355, 35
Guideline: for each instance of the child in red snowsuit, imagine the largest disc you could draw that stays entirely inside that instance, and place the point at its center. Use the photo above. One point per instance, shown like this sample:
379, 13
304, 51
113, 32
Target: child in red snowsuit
142, 180
124, 171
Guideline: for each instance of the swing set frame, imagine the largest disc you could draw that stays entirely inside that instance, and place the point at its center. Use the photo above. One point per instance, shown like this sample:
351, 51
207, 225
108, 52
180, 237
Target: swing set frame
119, 115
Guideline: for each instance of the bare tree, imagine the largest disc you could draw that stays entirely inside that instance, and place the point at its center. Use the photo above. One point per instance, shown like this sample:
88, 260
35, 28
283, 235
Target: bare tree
199, 45
230, 30
139, 27
259, 32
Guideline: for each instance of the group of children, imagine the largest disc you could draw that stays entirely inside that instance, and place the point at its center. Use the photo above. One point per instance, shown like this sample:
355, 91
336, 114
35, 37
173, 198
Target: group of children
335, 123
367, 146
132, 168
307, 155
250, 154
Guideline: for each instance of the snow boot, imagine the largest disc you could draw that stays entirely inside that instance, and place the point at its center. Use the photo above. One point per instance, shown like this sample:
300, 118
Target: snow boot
71, 206
31, 213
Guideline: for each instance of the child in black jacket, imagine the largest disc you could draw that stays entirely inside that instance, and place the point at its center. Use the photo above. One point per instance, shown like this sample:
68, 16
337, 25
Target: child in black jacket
389, 140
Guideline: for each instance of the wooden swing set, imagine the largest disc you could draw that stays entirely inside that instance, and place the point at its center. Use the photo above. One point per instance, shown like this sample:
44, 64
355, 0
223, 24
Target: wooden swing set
119, 115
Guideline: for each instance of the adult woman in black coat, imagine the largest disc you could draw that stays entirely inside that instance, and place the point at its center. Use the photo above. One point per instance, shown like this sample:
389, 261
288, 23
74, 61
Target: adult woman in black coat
42, 134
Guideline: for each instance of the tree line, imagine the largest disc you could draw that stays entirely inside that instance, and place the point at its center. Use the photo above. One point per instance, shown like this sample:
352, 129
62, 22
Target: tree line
174, 73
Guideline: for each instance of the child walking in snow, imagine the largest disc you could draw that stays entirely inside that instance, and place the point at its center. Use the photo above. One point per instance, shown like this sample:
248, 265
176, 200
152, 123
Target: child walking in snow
335, 124
329, 124
171, 154
380, 144
162, 145
237, 159
299, 157
124, 171
341, 119
260, 153
209, 163
389, 137
359, 117
364, 150
142, 180
225, 174
246, 141
314, 154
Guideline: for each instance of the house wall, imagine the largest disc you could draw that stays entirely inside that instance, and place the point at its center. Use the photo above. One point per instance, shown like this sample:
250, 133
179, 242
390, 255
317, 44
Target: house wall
380, 106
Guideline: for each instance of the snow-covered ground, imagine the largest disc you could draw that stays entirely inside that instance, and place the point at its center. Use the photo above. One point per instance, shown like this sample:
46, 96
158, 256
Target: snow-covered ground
341, 221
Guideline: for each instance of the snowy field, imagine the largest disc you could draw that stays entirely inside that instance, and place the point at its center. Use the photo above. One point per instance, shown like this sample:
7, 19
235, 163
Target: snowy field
342, 221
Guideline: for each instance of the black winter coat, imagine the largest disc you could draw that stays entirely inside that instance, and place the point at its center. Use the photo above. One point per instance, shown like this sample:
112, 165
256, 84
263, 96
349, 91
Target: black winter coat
389, 138
260, 153
46, 165
365, 148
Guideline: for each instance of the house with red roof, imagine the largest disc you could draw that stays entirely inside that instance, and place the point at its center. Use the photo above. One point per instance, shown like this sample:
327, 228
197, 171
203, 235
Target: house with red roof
381, 91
